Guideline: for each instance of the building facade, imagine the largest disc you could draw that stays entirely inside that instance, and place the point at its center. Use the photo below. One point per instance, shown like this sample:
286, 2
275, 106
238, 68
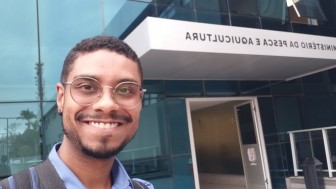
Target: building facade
239, 92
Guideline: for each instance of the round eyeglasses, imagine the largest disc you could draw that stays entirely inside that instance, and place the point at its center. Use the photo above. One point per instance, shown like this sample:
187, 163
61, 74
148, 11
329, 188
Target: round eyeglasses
86, 91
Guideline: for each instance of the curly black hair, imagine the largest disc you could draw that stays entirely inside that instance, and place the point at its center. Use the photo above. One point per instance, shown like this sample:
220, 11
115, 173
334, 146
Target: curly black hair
96, 43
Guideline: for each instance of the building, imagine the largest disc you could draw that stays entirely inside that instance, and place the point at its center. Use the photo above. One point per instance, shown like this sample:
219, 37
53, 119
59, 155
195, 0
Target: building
236, 89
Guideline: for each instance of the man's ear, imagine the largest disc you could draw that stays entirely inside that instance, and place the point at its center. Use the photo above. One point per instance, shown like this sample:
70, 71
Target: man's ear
60, 98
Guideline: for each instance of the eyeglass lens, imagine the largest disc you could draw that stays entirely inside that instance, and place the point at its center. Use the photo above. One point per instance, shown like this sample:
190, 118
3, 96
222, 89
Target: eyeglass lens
86, 91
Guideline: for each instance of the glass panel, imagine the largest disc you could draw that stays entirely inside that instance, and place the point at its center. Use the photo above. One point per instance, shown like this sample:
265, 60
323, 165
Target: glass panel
19, 54
310, 144
243, 7
221, 88
287, 158
164, 181
332, 79
328, 27
268, 120
20, 145
212, 18
246, 125
310, 9
317, 111
318, 147
176, 3
183, 177
254, 87
273, 9
307, 29
287, 113
303, 147
332, 146
154, 91
154, 86
127, 15
184, 88
275, 160
274, 24
176, 13
213, 5
245, 21
292, 87
179, 134
157, 171
316, 83
60, 32
52, 128
151, 136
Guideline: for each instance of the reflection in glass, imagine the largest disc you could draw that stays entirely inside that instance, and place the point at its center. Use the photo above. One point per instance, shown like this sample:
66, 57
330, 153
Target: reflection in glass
127, 17
243, 7
176, 13
275, 24
19, 137
332, 147
309, 144
212, 17
273, 9
176, 3
245, 21
19, 53
214, 5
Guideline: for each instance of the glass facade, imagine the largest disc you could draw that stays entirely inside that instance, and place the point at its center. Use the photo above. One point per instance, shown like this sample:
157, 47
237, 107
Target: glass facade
36, 40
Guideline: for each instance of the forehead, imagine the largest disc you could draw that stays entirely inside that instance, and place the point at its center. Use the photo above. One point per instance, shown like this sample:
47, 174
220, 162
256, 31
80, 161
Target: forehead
105, 65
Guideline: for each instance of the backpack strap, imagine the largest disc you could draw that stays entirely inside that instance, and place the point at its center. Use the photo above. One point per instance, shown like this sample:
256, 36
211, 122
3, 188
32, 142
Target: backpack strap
42, 176
138, 185
48, 176
4, 183
20, 180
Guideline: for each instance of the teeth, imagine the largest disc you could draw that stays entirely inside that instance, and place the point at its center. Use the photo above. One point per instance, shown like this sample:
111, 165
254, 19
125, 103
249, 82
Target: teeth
103, 125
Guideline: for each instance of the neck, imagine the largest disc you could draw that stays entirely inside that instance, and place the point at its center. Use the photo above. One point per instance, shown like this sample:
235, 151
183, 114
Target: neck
92, 172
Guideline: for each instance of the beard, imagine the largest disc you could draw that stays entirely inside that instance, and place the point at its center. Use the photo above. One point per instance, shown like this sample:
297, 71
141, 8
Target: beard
102, 152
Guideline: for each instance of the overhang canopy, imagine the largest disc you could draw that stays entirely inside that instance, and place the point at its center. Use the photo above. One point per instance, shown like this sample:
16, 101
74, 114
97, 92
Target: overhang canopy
170, 49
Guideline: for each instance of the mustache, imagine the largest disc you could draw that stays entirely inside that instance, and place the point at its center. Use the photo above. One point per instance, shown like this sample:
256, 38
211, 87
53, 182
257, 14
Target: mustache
114, 116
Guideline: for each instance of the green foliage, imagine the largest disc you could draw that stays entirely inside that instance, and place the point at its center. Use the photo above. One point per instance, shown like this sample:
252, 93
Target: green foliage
27, 143
27, 115
25, 151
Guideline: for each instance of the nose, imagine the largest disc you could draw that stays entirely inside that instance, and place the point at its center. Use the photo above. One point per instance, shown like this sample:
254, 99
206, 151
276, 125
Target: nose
106, 102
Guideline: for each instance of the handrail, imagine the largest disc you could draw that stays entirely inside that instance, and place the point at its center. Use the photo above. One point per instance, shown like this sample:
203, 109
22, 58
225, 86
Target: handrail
326, 145
138, 149
132, 151
315, 129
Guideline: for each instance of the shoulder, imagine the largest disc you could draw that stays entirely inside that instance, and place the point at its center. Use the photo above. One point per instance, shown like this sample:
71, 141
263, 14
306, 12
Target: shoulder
146, 183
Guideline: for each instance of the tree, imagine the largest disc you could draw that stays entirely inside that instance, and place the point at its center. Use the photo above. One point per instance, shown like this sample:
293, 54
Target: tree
27, 115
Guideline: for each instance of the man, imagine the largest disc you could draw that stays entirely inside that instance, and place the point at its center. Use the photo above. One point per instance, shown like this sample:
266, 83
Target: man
99, 98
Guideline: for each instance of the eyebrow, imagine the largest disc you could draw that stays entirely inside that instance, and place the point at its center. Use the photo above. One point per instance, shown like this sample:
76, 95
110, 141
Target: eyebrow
97, 77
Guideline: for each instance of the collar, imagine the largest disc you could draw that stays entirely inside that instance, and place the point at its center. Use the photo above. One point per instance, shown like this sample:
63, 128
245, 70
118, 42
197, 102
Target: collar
70, 180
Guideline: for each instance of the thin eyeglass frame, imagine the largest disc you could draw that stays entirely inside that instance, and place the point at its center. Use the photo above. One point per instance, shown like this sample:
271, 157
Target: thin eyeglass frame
142, 91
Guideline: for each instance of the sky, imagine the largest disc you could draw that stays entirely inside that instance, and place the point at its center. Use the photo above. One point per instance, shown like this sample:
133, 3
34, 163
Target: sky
62, 24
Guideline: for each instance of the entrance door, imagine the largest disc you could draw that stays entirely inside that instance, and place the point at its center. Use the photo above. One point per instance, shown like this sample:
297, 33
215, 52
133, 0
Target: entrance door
219, 157
254, 168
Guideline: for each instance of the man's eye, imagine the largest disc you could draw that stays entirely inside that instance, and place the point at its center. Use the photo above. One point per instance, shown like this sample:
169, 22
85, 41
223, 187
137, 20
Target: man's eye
87, 87
124, 90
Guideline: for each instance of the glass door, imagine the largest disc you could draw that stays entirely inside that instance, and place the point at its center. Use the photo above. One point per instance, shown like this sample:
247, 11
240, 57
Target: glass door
250, 147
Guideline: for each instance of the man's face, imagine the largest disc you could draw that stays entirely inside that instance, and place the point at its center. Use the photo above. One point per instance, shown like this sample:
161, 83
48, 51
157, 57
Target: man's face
102, 129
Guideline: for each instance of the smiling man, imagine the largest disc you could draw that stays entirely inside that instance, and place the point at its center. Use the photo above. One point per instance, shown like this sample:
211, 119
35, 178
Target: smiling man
99, 98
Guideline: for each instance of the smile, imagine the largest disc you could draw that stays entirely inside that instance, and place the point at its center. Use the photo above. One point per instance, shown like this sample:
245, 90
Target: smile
103, 125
